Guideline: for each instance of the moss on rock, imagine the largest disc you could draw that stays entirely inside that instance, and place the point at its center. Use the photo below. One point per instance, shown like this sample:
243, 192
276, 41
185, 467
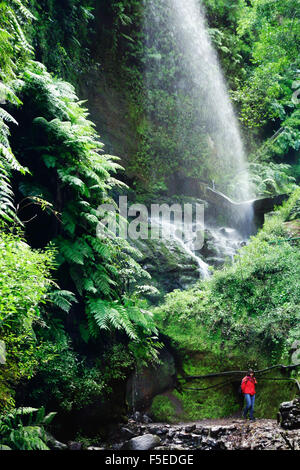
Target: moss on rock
162, 409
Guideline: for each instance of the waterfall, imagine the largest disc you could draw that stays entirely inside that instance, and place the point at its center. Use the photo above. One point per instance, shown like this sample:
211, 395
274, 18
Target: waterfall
188, 104
174, 232
182, 61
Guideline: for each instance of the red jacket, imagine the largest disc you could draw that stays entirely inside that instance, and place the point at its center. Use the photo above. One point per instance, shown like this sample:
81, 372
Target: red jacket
248, 385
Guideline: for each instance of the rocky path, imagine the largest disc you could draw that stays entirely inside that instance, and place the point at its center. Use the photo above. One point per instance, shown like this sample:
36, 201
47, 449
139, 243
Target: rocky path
221, 434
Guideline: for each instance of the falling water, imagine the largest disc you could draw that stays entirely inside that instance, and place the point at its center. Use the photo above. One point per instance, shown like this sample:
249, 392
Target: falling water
171, 231
181, 61
177, 41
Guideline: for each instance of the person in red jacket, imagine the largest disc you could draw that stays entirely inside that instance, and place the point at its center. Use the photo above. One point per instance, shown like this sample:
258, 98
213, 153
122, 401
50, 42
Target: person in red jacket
248, 389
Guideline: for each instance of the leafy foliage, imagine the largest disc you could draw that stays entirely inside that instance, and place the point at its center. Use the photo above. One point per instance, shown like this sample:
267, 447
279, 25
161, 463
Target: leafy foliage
249, 310
31, 436
271, 32
254, 301
62, 35
24, 286
246, 315
271, 179
67, 382
15, 51
67, 147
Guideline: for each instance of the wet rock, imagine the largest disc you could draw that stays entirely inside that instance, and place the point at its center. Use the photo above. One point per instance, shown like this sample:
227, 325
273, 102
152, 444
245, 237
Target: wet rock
137, 416
183, 436
196, 440
141, 388
177, 441
190, 428
74, 445
229, 429
53, 444
127, 433
205, 431
177, 447
199, 430
289, 414
216, 431
146, 419
238, 435
170, 264
209, 443
95, 448
161, 432
145, 442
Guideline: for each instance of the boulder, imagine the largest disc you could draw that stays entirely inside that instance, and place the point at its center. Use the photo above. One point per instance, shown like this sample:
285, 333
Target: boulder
144, 385
190, 428
95, 448
289, 414
170, 264
127, 433
74, 445
145, 442
53, 444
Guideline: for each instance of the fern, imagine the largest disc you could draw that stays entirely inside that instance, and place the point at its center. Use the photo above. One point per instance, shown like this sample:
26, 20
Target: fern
62, 299
18, 436
19, 33
73, 181
101, 270
14, 49
5, 116
107, 314
24, 11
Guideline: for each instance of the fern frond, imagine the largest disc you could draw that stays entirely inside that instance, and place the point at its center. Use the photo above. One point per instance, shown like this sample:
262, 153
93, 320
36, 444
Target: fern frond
11, 159
25, 12
62, 299
19, 32
6, 93
73, 181
6, 116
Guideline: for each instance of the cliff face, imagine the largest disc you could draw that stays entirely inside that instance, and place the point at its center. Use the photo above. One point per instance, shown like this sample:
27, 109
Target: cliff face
110, 111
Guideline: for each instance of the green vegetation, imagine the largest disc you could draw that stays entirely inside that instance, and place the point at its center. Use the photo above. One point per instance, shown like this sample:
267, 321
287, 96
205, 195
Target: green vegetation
257, 43
163, 410
52, 202
74, 314
75, 178
16, 435
24, 288
246, 315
